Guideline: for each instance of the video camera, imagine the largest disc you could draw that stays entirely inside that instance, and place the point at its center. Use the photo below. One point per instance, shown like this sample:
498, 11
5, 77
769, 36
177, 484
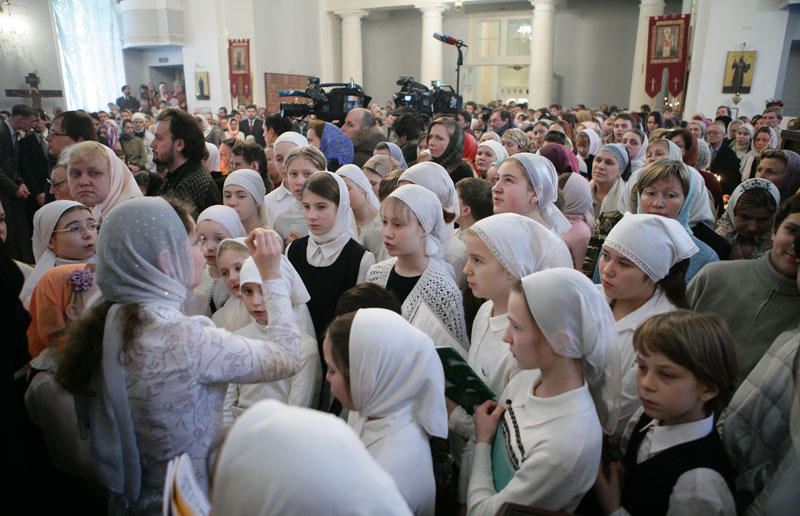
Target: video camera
425, 101
329, 106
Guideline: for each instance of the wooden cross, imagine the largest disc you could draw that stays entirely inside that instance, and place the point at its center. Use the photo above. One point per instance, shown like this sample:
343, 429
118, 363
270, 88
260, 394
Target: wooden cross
675, 82
33, 92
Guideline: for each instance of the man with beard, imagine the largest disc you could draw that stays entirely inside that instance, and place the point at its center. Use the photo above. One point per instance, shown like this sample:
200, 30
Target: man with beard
179, 147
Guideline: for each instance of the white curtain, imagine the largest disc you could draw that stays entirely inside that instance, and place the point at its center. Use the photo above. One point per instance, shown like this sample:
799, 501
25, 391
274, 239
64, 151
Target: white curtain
91, 52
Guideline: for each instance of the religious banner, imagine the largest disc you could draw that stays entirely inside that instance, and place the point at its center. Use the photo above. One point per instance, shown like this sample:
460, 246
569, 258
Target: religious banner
239, 70
667, 47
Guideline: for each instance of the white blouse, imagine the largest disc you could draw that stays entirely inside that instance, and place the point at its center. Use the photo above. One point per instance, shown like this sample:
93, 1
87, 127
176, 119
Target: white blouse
301, 390
278, 201
699, 491
401, 447
210, 289
233, 315
177, 375
370, 236
557, 440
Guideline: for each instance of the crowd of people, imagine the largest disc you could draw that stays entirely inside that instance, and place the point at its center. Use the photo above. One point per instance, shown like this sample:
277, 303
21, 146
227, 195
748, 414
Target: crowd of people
291, 304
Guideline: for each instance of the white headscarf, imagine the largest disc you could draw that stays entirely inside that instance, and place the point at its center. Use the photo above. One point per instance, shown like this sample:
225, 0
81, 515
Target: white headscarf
542, 175
342, 229
290, 461
354, 174
652, 242
395, 371
141, 239
750, 184
251, 181
594, 141
212, 163
428, 211
675, 152
578, 198
45, 221
123, 186
703, 155
641, 156
520, 244
578, 323
292, 137
226, 217
297, 289
500, 152
397, 153
435, 178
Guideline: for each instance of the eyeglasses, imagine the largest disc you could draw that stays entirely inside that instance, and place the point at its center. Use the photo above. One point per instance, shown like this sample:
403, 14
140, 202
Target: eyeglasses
55, 185
53, 133
91, 227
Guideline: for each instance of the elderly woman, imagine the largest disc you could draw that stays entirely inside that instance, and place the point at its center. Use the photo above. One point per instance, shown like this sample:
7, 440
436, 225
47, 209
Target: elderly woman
98, 179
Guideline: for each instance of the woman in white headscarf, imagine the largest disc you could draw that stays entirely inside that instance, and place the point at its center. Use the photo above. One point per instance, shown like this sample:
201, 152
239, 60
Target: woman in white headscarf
546, 428
764, 137
537, 176
389, 371
301, 389
329, 259
435, 178
279, 460
213, 159
743, 140
98, 179
393, 150
244, 191
138, 416
365, 206
489, 151
64, 232
642, 272
578, 210
414, 236
748, 230
636, 142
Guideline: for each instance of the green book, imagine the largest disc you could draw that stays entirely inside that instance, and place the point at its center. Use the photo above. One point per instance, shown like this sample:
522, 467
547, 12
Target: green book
503, 467
462, 384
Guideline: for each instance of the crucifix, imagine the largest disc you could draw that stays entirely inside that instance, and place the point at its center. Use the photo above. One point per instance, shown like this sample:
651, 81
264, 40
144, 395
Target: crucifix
33, 92
652, 84
675, 82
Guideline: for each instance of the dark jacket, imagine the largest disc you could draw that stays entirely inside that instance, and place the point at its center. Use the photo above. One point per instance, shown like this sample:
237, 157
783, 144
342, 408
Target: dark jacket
726, 164
131, 103
193, 183
257, 132
364, 142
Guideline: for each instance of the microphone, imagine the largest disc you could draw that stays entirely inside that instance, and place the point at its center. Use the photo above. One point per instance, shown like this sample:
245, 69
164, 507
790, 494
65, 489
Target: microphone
449, 40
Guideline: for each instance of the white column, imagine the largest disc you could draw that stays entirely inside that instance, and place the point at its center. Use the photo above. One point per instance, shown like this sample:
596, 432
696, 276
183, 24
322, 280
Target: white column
432, 49
352, 61
638, 96
540, 81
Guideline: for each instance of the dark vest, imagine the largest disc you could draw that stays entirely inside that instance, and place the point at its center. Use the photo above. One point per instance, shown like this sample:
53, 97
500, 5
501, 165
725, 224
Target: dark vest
326, 284
648, 485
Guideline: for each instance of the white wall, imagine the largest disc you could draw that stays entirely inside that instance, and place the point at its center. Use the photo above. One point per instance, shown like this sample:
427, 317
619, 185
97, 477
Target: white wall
723, 25
37, 52
288, 39
206, 50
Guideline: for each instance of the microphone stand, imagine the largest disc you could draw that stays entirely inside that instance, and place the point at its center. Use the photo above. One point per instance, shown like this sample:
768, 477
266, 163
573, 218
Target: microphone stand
460, 62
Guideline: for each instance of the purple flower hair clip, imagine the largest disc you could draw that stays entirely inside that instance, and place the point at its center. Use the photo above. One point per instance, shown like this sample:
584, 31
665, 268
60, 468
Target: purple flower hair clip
81, 279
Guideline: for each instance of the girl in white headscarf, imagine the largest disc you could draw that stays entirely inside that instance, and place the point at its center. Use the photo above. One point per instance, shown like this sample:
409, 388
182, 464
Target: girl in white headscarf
389, 371
764, 137
301, 164
280, 460
528, 186
244, 191
742, 142
301, 389
137, 416
215, 224
98, 179
546, 426
435, 178
64, 232
213, 159
231, 254
329, 259
636, 142
488, 152
414, 233
365, 206
281, 198
578, 210
501, 249
642, 271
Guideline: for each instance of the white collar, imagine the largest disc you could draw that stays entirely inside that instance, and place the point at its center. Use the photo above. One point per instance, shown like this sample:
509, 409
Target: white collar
498, 322
540, 410
664, 437
658, 303
328, 249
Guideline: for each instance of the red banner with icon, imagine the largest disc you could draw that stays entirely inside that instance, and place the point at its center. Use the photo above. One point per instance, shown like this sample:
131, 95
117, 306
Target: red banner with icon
667, 47
239, 70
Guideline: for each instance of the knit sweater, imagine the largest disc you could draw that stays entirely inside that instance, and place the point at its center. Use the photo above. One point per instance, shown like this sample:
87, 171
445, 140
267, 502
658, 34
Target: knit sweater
757, 302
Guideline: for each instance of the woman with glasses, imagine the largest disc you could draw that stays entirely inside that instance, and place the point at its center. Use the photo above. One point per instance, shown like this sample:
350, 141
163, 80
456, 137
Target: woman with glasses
64, 232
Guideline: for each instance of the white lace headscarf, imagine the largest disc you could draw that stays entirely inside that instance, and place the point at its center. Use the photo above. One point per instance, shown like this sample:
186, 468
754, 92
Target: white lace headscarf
280, 460
428, 211
578, 324
144, 255
45, 221
226, 217
395, 372
435, 178
520, 244
543, 177
354, 174
750, 184
652, 242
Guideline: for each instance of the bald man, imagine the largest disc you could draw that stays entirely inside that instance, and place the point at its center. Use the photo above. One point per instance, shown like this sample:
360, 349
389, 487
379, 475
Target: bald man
360, 126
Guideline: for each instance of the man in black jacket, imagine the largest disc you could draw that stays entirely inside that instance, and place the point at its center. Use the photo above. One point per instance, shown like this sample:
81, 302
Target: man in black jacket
723, 159
13, 190
126, 101
179, 146
33, 166
253, 125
